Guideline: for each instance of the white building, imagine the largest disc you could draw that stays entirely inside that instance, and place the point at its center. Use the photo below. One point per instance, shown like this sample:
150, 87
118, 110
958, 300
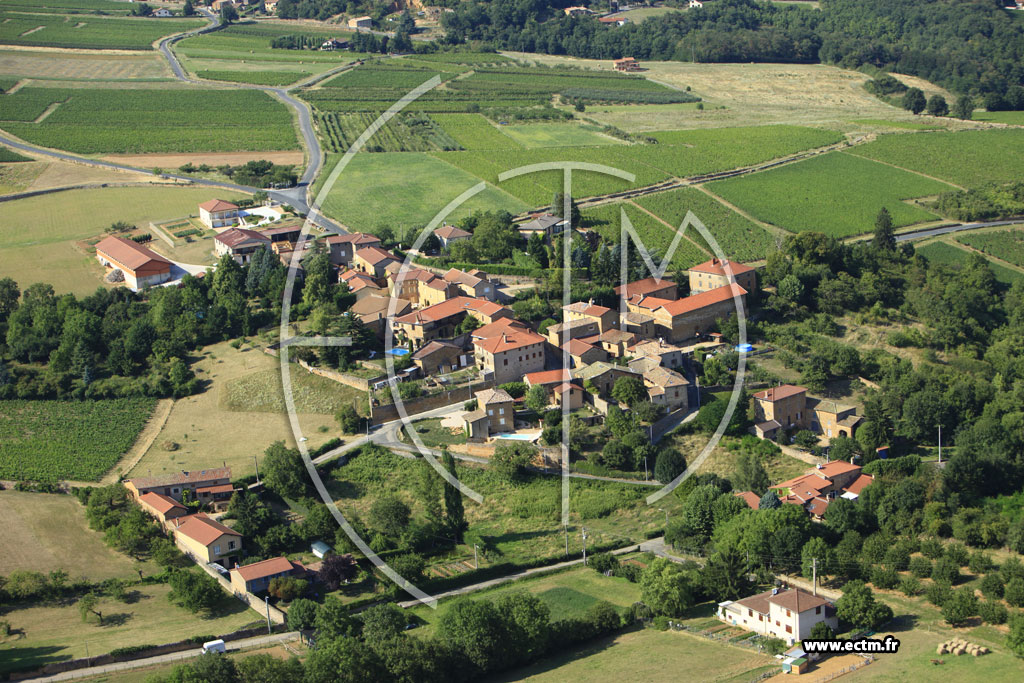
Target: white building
786, 613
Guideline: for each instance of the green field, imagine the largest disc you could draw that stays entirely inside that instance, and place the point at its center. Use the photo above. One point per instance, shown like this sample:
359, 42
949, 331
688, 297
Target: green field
10, 156
53, 30
739, 238
942, 252
405, 132
408, 189
656, 236
50, 440
905, 125
836, 193
474, 132
1007, 245
1013, 118
969, 158
160, 120
557, 135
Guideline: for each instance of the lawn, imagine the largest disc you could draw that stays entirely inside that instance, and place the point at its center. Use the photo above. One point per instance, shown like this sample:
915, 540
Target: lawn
92, 32
944, 252
215, 427
557, 135
1007, 245
836, 193
969, 158
433, 435
656, 236
56, 633
408, 189
39, 529
1013, 118
38, 235
78, 440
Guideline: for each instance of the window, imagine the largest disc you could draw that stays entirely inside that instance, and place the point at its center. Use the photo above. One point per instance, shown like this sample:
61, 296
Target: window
750, 612
817, 610
501, 411
760, 617
788, 613
789, 629
505, 361
490, 411
231, 545
776, 623
501, 421
216, 550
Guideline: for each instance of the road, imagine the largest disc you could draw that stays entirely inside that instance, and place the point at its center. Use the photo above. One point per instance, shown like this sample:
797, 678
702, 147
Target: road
946, 229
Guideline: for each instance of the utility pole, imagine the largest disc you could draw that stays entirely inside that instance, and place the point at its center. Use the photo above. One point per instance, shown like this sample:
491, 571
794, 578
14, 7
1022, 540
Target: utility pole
476, 561
266, 601
257, 463
814, 574
584, 546
645, 468
940, 444
566, 526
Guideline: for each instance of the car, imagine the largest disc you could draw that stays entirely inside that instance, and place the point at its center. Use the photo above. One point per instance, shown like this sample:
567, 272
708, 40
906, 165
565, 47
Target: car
214, 646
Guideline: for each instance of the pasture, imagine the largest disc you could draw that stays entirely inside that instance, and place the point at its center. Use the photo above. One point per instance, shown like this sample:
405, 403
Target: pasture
657, 237
156, 120
79, 440
1011, 118
969, 158
409, 190
82, 65
1006, 244
948, 253
836, 193
90, 32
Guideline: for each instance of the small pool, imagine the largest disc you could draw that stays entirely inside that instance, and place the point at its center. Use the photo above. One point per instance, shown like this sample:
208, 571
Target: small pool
397, 352
518, 437
745, 348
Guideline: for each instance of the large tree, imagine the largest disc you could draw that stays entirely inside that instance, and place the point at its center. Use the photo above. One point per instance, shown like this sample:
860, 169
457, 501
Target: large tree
284, 472
454, 510
666, 587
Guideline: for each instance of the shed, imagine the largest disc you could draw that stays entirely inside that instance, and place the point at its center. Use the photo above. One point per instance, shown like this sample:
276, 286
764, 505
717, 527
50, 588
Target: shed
320, 549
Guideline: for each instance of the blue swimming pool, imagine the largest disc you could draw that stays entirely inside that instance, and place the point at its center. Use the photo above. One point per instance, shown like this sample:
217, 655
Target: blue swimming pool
398, 352
517, 437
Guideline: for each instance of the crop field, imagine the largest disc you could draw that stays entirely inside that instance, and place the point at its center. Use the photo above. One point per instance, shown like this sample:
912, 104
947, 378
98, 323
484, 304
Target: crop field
437, 100
402, 133
739, 238
91, 32
474, 132
469, 58
946, 253
10, 156
969, 158
255, 77
734, 147
550, 81
160, 120
1012, 118
836, 193
83, 65
80, 440
558, 135
657, 237
1007, 245
409, 189
65, 6
903, 125
386, 75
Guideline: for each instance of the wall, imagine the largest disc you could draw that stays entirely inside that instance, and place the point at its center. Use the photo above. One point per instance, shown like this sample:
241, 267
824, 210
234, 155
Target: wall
359, 383
254, 602
387, 413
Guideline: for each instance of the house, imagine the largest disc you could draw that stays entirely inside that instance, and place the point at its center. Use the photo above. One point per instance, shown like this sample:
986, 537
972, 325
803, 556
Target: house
830, 419
614, 21
162, 12
207, 540
141, 267
164, 508
614, 342
284, 233
500, 326
218, 213
582, 353
256, 577
695, 4
660, 289
578, 11
510, 355
270, 6
440, 320
640, 325
752, 500
626, 64
332, 44
546, 224
714, 273
606, 318
549, 379
603, 376
786, 613
174, 485
439, 357
475, 284
665, 387
573, 329
372, 310
449, 234
240, 243
217, 496
816, 488
495, 413
358, 23
570, 394
343, 247
685, 318
667, 355
782, 407
409, 282
362, 285
374, 261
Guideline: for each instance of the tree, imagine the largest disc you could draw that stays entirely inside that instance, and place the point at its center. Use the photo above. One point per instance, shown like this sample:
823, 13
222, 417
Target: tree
537, 250
336, 569
381, 622
527, 622
750, 474
343, 659
937, 105
669, 465
885, 237
769, 501
333, 619
287, 588
913, 100
961, 606
9, 294
267, 669
616, 455
142, 9
963, 108
1014, 592
666, 587
284, 472
558, 209
477, 630
725, 575
857, 606
537, 398
454, 511
822, 631
389, 515
815, 549
348, 419
629, 390
1015, 639
228, 13
302, 614
87, 608
428, 488
945, 570
510, 460
194, 592
494, 236
252, 517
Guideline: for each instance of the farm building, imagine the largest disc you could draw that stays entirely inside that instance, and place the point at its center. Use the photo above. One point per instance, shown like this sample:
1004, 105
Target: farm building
218, 213
685, 318
256, 577
662, 289
163, 508
175, 484
162, 12
141, 267
714, 273
334, 44
360, 22
786, 613
240, 243
788, 407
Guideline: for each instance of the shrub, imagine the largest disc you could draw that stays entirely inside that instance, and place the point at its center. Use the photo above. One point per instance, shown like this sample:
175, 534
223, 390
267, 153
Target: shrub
980, 562
603, 562
945, 570
885, 577
910, 586
774, 646
937, 593
957, 552
1014, 592
287, 588
992, 612
931, 548
992, 586
921, 567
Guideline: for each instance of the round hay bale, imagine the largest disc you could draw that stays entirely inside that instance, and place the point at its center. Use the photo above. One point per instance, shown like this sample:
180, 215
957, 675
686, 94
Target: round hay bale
940, 650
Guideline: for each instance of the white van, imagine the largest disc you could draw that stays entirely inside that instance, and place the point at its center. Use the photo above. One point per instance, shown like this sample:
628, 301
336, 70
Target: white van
214, 646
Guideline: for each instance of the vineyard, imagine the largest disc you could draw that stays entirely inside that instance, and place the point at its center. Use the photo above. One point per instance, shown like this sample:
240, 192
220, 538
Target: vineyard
403, 133
89, 32
160, 120
836, 193
468, 58
942, 252
656, 236
81, 440
377, 75
1007, 245
9, 156
739, 238
969, 158
474, 132
273, 78
66, 6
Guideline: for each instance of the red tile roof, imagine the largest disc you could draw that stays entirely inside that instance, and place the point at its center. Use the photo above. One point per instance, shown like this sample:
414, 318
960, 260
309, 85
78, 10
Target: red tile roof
161, 503
779, 393
453, 306
716, 267
860, 483
129, 254
271, 567
547, 377
507, 341
837, 467
586, 308
359, 239
202, 529
497, 327
750, 498
218, 205
220, 488
645, 286
375, 255
797, 600
448, 232
577, 347
178, 478
696, 302
818, 507
232, 237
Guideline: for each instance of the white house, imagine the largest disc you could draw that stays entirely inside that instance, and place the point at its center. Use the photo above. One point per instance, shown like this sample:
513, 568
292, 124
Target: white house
786, 613
162, 12
218, 213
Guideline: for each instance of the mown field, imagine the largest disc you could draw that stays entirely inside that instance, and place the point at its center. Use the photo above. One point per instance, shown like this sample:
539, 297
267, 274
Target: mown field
739, 238
1007, 245
837, 193
474, 132
83, 65
408, 191
1013, 118
656, 236
968, 158
943, 252
79, 120
87, 31
557, 135
81, 440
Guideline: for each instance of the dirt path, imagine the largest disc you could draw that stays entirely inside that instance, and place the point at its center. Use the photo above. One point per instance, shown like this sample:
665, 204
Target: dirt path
17, 86
908, 170
46, 112
667, 225
773, 229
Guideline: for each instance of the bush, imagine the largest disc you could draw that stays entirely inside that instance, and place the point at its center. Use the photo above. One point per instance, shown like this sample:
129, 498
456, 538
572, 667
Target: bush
931, 547
1013, 593
774, 646
921, 567
992, 612
885, 577
937, 593
957, 552
603, 562
945, 570
287, 588
992, 586
910, 586
980, 562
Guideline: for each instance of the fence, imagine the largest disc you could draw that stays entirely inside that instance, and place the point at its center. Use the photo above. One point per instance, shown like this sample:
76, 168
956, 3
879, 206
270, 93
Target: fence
845, 670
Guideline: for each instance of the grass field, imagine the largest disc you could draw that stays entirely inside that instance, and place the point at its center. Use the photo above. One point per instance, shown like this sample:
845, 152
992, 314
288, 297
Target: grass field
57, 633
944, 252
39, 528
82, 65
408, 190
81, 440
240, 413
1007, 245
739, 238
78, 120
474, 132
606, 220
968, 158
903, 125
1013, 118
557, 135
54, 30
837, 193
38, 235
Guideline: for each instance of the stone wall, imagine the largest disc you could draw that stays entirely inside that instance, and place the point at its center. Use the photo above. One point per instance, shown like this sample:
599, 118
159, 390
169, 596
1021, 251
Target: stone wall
387, 413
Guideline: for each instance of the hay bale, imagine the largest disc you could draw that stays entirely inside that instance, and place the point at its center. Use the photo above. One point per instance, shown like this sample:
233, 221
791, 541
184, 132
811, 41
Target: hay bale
940, 650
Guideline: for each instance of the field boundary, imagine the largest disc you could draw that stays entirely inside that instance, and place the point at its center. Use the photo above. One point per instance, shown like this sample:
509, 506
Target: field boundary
909, 170
667, 225
968, 248
775, 230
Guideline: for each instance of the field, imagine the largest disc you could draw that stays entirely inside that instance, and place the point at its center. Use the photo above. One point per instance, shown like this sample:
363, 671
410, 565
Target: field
1007, 245
557, 135
240, 413
836, 193
79, 120
83, 65
474, 132
409, 189
39, 528
1012, 118
657, 236
81, 440
739, 238
944, 252
56, 633
38, 235
88, 31
967, 158
402, 133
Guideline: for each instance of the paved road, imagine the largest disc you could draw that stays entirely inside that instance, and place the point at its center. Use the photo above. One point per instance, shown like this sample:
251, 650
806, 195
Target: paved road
946, 229
244, 644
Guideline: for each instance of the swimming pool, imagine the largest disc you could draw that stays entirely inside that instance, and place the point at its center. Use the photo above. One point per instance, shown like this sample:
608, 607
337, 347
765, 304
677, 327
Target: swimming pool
518, 437
398, 352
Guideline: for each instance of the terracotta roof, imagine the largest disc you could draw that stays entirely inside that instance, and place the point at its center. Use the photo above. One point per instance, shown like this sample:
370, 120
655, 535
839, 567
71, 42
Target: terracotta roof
358, 239
804, 482
586, 308
202, 529
161, 503
750, 498
271, 567
460, 277
218, 205
698, 301
128, 253
413, 274
488, 396
797, 600
448, 232
220, 488
653, 347
759, 602
357, 280
576, 347
497, 327
567, 386
837, 467
546, 377
645, 286
716, 267
453, 306
860, 483
375, 255
178, 478
507, 341
232, 237
818, 507
375, 303
433, 347
779, 393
